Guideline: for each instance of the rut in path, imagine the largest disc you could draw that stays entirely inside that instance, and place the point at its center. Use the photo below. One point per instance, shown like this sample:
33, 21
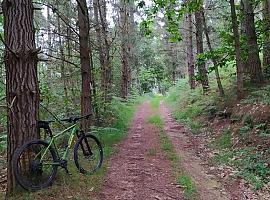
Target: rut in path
137, 174
208, 186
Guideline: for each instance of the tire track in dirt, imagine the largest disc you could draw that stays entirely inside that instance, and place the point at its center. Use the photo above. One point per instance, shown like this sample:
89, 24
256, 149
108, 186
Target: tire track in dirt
208, 185
136, 174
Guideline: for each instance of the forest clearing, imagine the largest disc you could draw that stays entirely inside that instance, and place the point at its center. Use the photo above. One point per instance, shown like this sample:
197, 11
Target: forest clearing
135, 99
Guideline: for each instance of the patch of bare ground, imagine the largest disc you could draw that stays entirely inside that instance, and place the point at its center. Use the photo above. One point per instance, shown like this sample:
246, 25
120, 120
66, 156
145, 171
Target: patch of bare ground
139, 171
208, 185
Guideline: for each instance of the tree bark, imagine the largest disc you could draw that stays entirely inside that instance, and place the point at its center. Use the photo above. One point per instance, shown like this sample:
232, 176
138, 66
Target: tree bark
239, 64
62, 56
199, 38
254, 62
86, 68
220, 88
125, 50
190, 55
266, 37
21, 77
103, 47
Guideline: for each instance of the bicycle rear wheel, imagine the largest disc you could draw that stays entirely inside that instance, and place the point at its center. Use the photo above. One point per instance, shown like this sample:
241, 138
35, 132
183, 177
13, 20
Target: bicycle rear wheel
88, 154
30, 171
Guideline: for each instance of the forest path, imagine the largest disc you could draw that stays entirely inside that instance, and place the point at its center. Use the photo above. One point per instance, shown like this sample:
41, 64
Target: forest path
208, 186
139, 170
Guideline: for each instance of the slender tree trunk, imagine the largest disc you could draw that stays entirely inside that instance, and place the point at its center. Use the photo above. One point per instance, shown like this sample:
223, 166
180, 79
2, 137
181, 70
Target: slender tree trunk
21, 77
49, 44
220, 88
190, 55
239, 64
62, 56
103, 47
266, 37
199, 38
254, 61
107, 75
86, 69
126, 68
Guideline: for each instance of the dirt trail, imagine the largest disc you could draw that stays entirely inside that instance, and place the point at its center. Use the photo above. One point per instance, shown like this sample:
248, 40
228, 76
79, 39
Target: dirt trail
137, 174
139, 171
209, 187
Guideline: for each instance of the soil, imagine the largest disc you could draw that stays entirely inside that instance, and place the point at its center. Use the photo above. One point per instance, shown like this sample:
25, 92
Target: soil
139, 171
136, 174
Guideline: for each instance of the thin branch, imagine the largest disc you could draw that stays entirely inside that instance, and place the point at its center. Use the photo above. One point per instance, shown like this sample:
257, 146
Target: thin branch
57, 58
55, 10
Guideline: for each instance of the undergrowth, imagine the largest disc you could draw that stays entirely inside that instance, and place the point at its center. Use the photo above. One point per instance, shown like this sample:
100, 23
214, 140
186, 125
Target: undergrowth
243, 145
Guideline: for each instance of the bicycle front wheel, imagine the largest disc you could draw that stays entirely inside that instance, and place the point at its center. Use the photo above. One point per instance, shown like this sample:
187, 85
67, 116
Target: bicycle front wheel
88, 154
35, 165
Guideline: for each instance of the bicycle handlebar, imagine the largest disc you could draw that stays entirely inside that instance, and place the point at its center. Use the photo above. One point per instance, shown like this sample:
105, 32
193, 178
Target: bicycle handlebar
71, 119
75, 119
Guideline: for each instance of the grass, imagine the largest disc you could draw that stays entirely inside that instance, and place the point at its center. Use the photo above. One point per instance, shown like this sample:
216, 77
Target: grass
156, 120
79, 186
250, 164
224, 141
188, 105
244, 146
155, 102
190, 191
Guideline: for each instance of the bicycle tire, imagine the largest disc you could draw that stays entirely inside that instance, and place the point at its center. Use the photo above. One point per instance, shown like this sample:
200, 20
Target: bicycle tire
31, 148
93, 143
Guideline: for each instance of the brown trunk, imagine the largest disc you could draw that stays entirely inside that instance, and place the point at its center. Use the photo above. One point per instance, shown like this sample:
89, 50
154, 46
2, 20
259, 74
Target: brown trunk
266, 37
199, 38
190, 55
86, 69
220, 88
62, 56
239, 64
103, 48
49, 44
126, 68
254, 61
21, 76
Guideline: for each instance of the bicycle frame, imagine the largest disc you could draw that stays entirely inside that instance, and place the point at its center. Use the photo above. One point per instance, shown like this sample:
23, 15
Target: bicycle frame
74, 128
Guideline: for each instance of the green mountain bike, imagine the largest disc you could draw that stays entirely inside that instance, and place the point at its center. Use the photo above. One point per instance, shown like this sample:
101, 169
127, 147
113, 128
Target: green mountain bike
35, 163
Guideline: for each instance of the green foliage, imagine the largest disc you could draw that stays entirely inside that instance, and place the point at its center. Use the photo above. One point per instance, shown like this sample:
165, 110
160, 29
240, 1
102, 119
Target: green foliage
190, 191
155, 102
245, 131
156, 120
251, 164
3, 142
261, 96
225, 140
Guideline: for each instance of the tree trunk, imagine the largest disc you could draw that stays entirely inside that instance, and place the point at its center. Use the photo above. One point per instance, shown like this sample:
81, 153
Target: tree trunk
49, 44
21, 77
86, 69
62, 56
125, 51
199, 38
103, 47
220, 88
266, 37
254, 61
190, 55
239, 64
